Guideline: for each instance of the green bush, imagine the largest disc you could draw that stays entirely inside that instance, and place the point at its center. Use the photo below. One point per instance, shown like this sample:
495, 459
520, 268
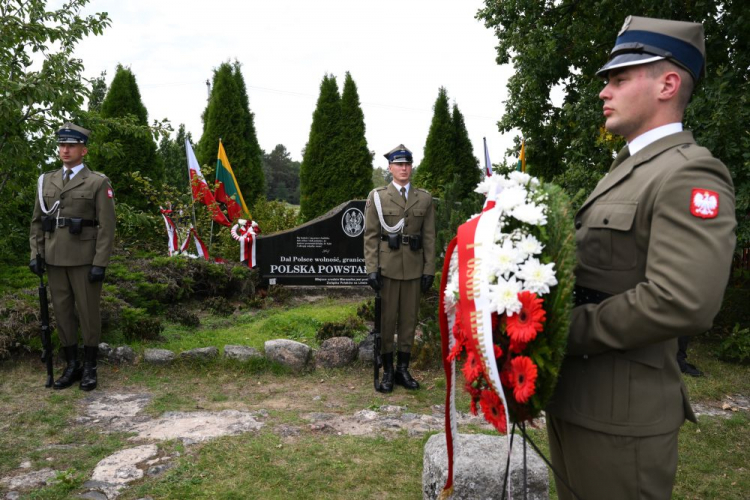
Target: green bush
136, 324
348, 328
183, 316
736, 346
218, 305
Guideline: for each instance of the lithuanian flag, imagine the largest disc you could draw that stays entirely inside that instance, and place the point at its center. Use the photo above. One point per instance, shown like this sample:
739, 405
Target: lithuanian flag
521, 166
227, 189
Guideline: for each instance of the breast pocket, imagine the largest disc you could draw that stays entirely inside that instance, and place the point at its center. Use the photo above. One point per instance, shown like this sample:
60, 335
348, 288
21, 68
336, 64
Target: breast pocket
610, 242
50, 197
392, 215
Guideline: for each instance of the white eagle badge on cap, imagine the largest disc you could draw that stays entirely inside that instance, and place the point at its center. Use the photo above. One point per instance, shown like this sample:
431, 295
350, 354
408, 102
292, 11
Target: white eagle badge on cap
625, 25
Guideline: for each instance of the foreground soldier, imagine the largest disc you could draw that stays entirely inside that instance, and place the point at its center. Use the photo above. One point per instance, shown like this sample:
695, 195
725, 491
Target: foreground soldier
73, 228
400, 259
655, 243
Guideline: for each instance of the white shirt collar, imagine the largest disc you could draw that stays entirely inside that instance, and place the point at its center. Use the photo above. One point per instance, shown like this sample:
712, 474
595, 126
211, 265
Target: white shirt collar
653, 135
74, 170
398, 188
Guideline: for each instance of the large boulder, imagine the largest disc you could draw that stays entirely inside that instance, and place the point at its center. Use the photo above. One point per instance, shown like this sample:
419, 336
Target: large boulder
479, 468
335, 353
365, 349
241, 352
290, 353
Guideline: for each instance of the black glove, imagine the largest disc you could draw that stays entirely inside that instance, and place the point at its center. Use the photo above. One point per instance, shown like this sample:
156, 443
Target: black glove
96, 273
427, 282
373, 279
37, 269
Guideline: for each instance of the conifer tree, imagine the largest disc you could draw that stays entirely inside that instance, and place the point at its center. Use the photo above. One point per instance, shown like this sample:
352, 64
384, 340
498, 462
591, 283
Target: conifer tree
321, 162
227, 117
356, 158
138, 149
437, 167
465, 163
174, 157
282, 175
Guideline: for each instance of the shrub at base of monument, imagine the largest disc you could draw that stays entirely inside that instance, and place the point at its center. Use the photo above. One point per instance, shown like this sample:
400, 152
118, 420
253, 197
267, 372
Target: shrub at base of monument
479, 468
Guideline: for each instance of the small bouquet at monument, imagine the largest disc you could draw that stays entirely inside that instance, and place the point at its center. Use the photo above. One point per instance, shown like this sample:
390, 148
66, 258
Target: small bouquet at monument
506, 295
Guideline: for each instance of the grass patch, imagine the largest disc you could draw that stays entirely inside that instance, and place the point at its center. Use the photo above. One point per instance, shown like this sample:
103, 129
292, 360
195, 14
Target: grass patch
254, 329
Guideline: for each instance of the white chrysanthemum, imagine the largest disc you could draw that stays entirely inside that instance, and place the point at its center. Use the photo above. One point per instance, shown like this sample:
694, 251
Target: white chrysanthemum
451, 292
520, 178
530, 213
537, 277
529, 246
504, 259
511, 198
504, 296
484, 186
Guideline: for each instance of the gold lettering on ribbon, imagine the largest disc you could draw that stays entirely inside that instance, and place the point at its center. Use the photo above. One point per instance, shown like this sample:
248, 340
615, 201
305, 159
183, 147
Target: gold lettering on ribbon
472, 285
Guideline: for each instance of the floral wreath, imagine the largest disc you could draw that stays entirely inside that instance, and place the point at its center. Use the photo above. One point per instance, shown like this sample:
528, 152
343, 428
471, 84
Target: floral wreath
506, 295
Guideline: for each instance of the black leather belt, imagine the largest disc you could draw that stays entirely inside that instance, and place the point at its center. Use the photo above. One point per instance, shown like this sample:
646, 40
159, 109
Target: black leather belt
403, 237
583, 295
68, 221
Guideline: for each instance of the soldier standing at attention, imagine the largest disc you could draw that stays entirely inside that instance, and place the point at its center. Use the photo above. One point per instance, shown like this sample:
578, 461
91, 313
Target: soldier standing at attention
654, 246
400, 259
73, 229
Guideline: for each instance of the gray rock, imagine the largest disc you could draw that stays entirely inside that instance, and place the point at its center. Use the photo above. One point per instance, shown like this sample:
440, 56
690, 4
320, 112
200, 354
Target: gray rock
104, 350
155, 470
335, 353
122, 354
202, 353
365, 349
93, 495
34, 479
480, 467
241, 352
12, 495
290, 353
158, 356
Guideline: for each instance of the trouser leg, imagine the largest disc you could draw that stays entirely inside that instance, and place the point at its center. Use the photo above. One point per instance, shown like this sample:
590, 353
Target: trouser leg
598, 465
63, 303
408, 313
390, 293
87, 297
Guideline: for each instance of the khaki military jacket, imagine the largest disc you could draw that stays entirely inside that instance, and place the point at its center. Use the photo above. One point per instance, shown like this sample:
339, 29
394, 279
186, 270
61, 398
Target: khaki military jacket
419, 219
667, 268
89, 196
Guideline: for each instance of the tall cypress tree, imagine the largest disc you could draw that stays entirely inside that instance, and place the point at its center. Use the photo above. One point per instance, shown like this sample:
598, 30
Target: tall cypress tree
139, 150
465, 163
174, 157
227, 116
437, 167
356, 158
321, 162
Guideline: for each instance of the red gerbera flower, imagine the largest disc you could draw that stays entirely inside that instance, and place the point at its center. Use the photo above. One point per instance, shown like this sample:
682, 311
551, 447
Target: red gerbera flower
516, 346
525, 324
498, 351
494, 411
472, 366
523, 378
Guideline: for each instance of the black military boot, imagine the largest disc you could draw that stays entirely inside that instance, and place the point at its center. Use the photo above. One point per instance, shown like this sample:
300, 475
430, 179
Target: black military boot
386, 385
88, 382
403, 377
72, 372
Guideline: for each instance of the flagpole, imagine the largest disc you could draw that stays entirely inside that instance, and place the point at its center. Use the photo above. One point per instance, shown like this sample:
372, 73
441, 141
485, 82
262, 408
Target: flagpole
211, 236
190, 183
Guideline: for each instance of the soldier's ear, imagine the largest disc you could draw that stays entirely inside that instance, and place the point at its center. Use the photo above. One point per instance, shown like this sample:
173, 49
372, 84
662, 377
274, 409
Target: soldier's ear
84, 151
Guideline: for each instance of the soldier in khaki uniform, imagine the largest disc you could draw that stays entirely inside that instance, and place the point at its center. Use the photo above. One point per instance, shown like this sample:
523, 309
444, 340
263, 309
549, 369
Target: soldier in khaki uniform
400, 259
73, 229
655, 242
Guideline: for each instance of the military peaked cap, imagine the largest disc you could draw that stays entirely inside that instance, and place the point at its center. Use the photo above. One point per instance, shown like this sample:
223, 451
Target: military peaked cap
72, 134
399, 154
644, 40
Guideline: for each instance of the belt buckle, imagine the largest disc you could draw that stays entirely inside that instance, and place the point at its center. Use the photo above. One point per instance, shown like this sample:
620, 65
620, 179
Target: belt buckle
404, 239
59, 222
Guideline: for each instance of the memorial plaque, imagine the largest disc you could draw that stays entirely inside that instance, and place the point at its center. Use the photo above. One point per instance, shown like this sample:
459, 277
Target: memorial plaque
327, 251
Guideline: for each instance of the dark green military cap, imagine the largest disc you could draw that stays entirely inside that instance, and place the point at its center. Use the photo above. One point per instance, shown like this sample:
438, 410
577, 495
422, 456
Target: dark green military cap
71, 133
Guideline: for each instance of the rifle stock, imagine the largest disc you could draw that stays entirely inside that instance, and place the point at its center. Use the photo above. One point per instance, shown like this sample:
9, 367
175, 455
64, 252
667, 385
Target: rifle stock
46, 332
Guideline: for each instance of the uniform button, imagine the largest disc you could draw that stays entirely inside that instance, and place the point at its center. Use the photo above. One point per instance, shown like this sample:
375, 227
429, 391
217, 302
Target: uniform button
606, 221
578, 224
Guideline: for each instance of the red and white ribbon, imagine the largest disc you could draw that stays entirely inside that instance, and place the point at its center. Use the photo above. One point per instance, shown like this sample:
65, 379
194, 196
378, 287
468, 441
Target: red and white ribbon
245, 234
173, 242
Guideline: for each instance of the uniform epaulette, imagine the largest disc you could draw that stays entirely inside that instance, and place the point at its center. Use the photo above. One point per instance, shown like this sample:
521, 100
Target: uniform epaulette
692, 151
99, 174
381, 188
423, 190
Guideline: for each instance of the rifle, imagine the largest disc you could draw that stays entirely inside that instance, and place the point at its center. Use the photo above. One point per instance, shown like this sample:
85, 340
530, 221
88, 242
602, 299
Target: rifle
377, 358
44, 315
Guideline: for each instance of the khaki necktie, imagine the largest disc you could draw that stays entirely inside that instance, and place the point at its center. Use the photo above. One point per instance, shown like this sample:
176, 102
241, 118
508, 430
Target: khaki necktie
403, 193
623, 155
66, 177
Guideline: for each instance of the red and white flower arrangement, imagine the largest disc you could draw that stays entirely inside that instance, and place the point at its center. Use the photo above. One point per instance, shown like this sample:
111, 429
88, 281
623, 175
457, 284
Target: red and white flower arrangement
506, 292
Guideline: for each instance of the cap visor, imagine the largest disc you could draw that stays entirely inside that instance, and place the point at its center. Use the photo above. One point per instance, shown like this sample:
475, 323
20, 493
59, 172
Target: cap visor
629, 59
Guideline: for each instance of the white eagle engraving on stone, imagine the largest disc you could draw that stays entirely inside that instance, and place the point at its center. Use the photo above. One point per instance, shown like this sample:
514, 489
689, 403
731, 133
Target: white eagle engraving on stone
353, 222
705, 203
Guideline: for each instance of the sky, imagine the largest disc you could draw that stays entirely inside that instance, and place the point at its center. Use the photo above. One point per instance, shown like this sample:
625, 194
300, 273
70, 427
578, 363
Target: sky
399, 54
